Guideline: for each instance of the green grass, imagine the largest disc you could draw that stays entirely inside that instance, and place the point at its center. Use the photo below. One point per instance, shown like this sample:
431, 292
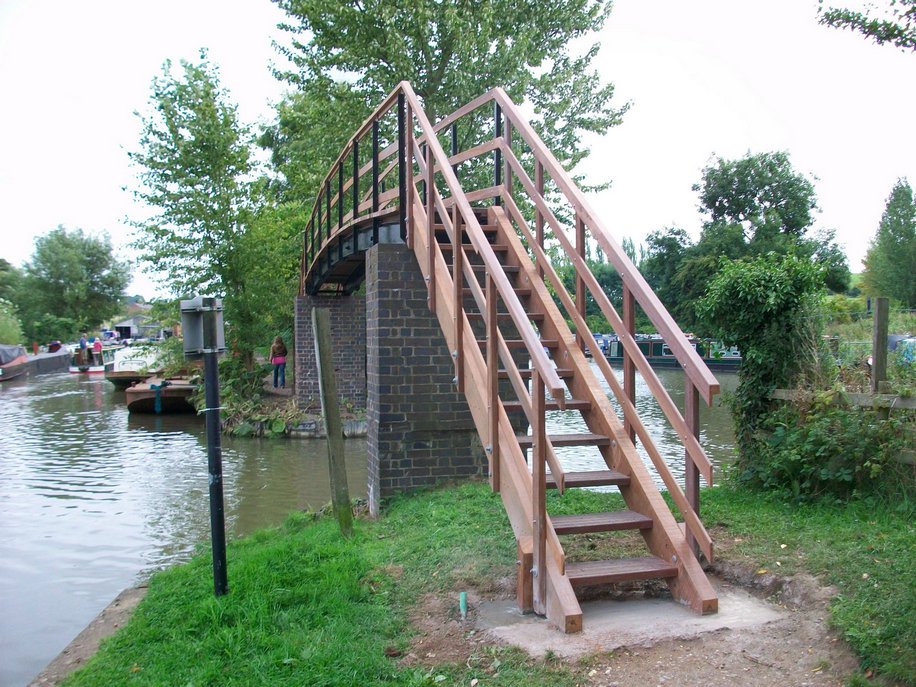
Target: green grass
866, 550
307, 608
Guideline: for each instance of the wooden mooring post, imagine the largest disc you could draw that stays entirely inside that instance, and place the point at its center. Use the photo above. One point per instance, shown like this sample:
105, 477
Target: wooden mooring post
333, 426
879, 346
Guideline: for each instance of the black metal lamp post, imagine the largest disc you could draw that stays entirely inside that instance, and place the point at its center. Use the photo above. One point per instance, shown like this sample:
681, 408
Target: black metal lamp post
202, 328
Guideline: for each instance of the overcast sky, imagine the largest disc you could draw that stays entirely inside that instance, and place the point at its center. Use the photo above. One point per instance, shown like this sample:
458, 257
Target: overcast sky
713, 77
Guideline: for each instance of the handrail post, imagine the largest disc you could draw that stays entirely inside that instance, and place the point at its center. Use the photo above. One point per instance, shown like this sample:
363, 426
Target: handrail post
404, 154
454, 137
497, 154
374, 181
458, 297
539, 216
629, 366
580, 282
507, 168
340, 175
429, 190
691, 472
355, 180
539, 492
493, 382
327, 219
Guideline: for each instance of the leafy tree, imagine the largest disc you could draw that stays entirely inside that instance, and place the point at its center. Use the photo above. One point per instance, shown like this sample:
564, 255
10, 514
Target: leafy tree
10, 276
761, 192
215, 232
891, 259
10, 331
345, 56
73, 276
759, 305
897, 27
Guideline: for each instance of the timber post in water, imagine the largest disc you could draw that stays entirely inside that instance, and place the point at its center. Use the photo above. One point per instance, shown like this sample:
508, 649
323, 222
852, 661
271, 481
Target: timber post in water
330, 410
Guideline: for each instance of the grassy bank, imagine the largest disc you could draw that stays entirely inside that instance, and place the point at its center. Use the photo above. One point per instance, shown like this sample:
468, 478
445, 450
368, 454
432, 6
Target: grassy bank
309, 608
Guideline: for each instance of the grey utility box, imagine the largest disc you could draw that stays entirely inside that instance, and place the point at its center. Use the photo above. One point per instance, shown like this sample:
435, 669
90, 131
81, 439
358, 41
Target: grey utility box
202, 326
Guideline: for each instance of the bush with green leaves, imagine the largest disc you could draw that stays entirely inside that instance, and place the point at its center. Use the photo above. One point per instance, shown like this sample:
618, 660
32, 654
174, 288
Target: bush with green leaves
823, 448
764, 306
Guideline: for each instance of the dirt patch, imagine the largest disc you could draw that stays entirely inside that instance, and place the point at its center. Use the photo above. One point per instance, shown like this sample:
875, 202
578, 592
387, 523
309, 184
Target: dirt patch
795, 647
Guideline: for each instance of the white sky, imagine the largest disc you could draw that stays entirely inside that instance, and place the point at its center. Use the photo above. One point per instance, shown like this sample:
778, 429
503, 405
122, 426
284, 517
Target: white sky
717, 77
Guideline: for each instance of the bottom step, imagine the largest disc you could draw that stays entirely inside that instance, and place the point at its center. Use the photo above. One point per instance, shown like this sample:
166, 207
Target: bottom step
584, 573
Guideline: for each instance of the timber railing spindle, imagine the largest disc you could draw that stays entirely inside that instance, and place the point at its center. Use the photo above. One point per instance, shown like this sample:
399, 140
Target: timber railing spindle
493, 382
374, 182
580, 283
539, 217
539, 493
454, 137
340, 196
327, 200
497, 154
431, 226
458, 297
355, 188
629, 366
691, 472
404, 202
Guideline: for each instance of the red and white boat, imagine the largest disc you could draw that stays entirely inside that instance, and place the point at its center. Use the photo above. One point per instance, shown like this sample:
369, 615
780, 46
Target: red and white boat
85, 361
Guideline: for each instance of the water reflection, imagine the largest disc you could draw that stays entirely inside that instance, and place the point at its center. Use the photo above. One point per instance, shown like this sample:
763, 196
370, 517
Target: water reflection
91, 499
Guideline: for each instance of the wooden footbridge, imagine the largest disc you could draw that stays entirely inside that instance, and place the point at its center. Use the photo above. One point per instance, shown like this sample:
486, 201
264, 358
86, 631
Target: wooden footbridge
477, 219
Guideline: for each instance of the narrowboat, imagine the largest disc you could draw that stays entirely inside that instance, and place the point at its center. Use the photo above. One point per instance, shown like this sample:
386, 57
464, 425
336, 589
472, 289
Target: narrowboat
13, 361
84, 361
132, 365
658, 354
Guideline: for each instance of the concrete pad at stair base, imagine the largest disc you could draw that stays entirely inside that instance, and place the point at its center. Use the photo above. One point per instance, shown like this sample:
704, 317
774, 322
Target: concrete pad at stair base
609, 625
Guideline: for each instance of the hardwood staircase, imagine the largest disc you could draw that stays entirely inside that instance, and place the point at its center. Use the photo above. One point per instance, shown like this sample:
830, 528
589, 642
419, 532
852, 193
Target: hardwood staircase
491, 286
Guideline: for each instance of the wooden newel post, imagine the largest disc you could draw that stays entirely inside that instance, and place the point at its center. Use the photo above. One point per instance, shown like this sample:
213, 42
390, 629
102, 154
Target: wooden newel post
879, 346
333, 426
691, 471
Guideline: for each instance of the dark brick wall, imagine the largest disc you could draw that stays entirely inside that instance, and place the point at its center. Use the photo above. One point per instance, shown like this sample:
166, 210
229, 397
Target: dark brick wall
348, 331
420, 429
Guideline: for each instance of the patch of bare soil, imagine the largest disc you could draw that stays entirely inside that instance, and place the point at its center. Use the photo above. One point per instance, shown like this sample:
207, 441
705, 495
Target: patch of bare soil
797, 650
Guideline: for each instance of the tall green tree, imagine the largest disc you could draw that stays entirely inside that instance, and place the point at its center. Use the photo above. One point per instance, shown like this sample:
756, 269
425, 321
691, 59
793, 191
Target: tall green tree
347, 54
897, 24
215, 232
10, 276
10, 329
890, 264
74, 276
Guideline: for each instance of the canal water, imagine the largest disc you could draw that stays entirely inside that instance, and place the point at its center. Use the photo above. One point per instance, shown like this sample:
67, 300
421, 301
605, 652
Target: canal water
92, 499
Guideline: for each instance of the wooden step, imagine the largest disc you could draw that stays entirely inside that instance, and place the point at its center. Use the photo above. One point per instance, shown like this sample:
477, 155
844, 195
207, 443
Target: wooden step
581, 439
499, 248
519, 343
534, 317
593, 478
508, 269
562, 373
582, 573
600, 522
520, 291
571, 404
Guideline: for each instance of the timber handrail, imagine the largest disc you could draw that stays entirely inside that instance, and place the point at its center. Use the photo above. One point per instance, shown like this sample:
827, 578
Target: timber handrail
482, 247
693, 365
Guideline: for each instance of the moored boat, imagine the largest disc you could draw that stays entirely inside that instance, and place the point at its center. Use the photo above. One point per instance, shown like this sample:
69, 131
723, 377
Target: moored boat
658, 354
13, 361
159, 395
131, 366
85, 361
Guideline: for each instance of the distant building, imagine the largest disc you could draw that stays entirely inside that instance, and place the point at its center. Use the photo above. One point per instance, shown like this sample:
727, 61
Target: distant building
140, 325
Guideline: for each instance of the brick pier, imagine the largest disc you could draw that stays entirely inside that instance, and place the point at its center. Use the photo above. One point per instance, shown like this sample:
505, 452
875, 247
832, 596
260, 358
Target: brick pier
420, 429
